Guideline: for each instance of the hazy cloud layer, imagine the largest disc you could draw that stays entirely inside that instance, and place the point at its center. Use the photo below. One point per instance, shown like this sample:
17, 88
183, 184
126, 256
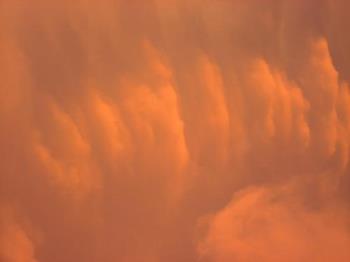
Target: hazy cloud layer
174, 130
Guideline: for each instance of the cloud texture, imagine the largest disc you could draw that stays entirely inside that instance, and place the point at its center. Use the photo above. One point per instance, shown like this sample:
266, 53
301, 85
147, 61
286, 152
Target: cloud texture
174, 130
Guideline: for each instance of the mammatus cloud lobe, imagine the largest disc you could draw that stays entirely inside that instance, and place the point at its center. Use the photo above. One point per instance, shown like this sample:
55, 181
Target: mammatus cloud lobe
174, 131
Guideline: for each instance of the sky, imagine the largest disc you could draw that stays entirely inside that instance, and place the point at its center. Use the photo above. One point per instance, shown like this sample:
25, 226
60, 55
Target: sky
174, 130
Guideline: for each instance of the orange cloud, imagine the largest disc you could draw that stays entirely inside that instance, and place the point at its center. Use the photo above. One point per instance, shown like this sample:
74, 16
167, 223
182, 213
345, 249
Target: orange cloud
16, 244
269, 224
125, 124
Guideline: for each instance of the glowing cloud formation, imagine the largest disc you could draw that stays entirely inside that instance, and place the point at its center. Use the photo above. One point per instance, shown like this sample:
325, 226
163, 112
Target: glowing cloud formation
174, 130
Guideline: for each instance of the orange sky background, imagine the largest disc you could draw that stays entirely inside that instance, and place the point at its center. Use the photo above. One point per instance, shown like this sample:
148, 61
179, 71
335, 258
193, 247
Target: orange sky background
174, 130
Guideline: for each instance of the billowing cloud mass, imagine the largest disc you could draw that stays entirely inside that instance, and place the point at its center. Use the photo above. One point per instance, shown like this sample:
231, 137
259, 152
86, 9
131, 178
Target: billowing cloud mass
173, 130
